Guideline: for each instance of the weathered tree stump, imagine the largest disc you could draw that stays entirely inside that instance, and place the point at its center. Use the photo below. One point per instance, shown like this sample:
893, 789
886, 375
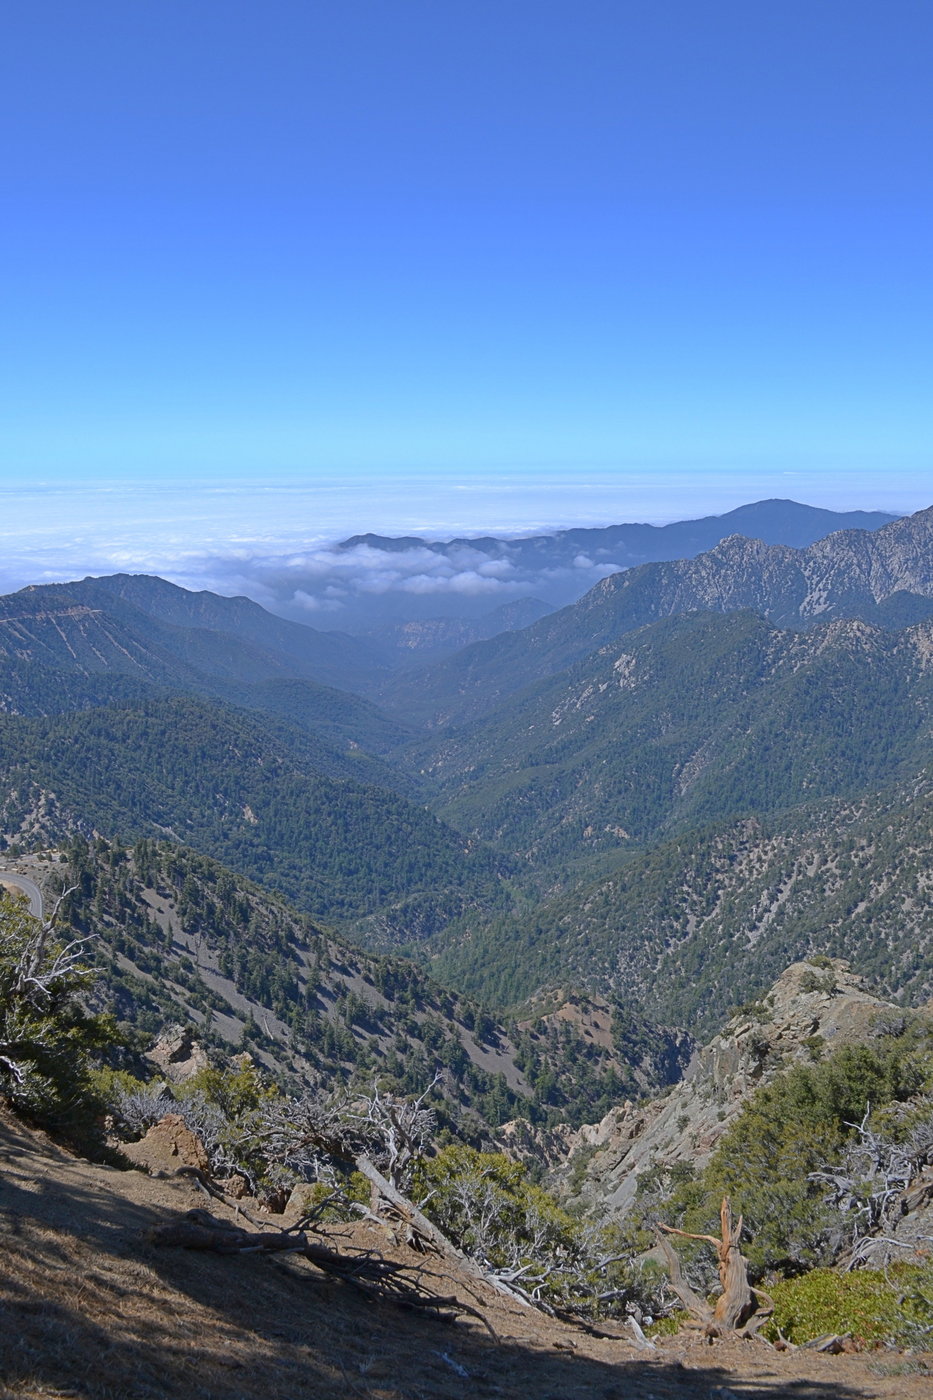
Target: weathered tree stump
738, 1308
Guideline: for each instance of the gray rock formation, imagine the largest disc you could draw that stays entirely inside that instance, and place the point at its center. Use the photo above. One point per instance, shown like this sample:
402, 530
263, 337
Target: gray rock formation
847, 574
809, 1006
177, 1054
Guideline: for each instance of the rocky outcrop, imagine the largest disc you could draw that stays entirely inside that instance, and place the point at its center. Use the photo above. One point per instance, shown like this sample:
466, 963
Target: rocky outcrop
168, 1145
177, 1054
847, 574
532, 1144
812, 1005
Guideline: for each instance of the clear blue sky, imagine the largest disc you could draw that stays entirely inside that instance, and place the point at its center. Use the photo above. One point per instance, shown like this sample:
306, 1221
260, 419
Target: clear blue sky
304, 240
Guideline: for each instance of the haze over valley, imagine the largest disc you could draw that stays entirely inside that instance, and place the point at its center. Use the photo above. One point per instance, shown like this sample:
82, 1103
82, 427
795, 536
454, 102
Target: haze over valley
466, 701
459, 802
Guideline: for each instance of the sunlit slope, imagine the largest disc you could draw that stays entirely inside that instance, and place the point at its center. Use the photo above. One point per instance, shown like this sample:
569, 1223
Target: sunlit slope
883, 576
691, 719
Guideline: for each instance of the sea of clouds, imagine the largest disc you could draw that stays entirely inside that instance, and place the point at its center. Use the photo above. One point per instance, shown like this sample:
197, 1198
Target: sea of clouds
448, 546
286, 548
346, 584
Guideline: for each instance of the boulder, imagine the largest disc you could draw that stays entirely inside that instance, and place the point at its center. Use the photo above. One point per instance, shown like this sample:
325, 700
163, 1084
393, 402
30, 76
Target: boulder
168, 1145
177, 1054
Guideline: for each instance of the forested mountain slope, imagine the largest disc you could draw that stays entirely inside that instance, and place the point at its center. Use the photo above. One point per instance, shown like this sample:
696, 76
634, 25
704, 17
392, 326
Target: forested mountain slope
332, 658
690, 719
180, 939
72, 646
586, 832
414, 641
885, 576
695, 925
280, 806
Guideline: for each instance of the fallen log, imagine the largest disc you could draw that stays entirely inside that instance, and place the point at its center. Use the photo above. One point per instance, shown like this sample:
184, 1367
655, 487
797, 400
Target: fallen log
198, 1229
831, 1343
430, 1233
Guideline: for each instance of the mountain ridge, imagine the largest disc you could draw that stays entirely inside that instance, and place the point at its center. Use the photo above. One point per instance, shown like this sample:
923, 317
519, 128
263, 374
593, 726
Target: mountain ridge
848, 574
638, 543
427, 581
680, 722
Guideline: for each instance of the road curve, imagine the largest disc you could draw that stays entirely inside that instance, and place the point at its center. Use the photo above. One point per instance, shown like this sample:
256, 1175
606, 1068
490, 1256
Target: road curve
29, 888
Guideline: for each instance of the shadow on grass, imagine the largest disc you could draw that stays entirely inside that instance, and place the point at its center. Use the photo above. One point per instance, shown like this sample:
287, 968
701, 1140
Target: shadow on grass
91, 1309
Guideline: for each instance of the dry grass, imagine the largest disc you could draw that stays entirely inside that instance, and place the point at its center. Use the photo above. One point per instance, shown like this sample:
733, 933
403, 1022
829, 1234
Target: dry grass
91, 1310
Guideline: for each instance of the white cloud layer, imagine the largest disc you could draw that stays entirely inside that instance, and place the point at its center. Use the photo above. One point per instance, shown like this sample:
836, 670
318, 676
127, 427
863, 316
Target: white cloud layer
343, 582
278, 544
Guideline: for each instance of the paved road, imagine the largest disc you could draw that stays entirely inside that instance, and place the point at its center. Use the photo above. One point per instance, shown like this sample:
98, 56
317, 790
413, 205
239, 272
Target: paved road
29, 888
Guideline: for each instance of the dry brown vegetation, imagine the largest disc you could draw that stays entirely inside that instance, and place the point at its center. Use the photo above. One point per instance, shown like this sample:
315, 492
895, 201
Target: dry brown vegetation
92, 1308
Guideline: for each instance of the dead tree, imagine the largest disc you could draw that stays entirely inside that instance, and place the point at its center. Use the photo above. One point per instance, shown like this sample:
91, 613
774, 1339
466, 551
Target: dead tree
37, 978
395, 1130
737, 1308
869, 1186
866, 1186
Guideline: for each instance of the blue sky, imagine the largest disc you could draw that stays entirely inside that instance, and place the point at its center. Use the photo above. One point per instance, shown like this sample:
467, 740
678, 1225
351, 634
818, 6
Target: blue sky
619, 259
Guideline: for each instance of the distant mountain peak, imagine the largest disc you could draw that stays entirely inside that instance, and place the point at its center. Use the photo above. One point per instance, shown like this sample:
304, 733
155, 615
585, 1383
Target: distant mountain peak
884, 575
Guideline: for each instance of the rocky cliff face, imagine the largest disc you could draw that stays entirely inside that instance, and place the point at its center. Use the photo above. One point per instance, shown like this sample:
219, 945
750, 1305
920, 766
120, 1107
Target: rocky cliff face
810, 1005
883, 576
847, 574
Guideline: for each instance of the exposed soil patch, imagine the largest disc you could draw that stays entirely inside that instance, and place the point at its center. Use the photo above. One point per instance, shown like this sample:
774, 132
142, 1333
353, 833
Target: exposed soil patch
90, 1308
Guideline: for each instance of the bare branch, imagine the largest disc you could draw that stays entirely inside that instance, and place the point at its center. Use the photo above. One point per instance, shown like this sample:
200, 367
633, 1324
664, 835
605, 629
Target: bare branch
736, 1305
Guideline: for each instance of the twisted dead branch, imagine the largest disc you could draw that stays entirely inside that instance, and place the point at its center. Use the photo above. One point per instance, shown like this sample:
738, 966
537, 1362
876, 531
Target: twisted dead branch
737, 1308
365, 1270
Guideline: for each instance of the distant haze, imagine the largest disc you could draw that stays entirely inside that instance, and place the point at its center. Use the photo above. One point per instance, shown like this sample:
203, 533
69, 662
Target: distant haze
276, 543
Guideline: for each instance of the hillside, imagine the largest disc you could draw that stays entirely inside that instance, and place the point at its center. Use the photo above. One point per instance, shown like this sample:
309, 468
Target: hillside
690, 719
698, 923
82, 1285
774, 521
810, 1007
654, 829
72, 646
416, 640
331, 658
880, 576
281, 806
558, 567
181, 941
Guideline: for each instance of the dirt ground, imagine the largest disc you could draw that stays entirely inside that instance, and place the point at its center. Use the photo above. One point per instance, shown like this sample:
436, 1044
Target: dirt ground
89, 1307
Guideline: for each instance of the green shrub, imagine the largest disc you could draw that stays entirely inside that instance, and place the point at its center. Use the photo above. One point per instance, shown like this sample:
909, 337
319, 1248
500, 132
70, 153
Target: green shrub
108, 1084
237, 1089
47, 1036
665, 1326
333, 1203
486, 1203
875, 1306
791, 1127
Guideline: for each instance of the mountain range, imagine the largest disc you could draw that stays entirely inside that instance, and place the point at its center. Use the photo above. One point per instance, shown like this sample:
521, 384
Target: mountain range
880, 576
392, 581
663, 792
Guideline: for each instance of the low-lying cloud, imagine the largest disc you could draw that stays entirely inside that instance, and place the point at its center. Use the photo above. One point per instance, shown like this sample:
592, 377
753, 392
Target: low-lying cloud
264, 544
348, 584
282, 546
